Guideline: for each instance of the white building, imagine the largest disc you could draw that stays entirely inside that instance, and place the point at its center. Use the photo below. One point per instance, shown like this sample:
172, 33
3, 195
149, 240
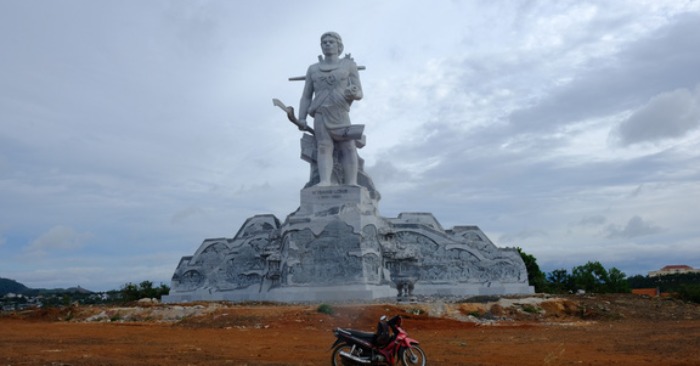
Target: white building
673, 269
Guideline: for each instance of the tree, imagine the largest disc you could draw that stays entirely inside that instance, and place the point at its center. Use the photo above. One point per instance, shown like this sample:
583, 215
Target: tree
689, 292
535, 276
639, 281
593, 277
559, 281
147, 290
617, 281
132, 292
666, 283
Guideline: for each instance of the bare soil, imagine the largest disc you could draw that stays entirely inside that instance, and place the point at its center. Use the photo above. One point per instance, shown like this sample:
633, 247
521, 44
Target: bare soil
540, 330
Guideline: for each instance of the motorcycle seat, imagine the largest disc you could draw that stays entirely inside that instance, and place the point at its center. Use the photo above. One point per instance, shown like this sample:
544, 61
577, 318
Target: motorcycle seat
366, 336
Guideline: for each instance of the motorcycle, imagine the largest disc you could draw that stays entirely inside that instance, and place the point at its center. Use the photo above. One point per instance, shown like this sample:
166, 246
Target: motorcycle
354, 347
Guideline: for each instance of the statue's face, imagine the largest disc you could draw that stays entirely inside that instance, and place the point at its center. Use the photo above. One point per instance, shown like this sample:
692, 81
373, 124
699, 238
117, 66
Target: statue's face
329, 45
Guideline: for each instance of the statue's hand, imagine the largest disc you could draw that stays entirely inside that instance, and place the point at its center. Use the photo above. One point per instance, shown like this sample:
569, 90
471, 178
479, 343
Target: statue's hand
302, 124
352, 92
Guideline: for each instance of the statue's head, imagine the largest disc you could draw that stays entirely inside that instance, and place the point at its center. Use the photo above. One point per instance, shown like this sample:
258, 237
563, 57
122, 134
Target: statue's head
337, 38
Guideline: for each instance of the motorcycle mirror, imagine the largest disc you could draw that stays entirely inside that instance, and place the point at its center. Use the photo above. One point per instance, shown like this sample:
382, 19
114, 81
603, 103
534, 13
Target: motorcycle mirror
383, 318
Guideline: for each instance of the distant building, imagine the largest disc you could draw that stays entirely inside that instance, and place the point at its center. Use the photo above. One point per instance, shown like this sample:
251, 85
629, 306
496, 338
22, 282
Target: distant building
673, 269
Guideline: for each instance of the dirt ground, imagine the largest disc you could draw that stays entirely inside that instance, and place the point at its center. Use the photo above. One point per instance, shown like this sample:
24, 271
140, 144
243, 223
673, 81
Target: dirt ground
572, 330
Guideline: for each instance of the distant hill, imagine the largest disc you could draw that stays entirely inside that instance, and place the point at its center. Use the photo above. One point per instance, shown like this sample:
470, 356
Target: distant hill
11, 286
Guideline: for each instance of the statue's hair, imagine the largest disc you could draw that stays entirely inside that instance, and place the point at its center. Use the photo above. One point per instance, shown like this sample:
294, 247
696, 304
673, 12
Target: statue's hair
337, 39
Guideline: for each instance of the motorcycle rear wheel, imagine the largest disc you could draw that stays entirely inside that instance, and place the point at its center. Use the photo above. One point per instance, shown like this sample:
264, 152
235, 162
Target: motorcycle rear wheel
413, 356
338, 360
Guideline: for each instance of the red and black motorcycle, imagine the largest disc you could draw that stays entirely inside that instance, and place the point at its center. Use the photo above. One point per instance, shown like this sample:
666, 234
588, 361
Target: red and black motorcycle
354, 347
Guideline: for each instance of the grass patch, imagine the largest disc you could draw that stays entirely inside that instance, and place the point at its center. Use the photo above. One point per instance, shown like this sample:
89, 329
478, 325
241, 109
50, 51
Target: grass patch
530, 309
325, 309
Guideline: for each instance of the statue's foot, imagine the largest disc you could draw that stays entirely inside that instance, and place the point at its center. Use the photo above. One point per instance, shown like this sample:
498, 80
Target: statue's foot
324, 184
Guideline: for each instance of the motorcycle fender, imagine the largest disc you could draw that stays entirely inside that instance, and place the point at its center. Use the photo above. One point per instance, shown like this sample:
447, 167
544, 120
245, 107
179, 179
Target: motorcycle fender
337, 342
408, 342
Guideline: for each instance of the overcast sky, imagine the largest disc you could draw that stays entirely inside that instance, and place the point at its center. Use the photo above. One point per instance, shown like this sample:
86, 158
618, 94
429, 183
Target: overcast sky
132, 130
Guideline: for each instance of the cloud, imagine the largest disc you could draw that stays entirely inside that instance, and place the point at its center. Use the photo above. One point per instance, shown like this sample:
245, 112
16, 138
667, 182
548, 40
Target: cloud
595, 220
182, 215
667, 115
664, 59
385, 172
522, 236
58, 238
635, 227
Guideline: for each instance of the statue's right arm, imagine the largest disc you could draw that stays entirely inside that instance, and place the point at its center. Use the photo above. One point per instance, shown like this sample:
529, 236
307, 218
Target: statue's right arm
306, 97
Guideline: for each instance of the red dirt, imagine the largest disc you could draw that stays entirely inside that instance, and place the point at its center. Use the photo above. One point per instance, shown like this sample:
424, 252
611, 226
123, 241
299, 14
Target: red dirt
595, 330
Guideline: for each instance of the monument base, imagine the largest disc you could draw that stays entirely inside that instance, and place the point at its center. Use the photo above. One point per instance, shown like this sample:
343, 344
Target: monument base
290, 294
336, 248
467, 290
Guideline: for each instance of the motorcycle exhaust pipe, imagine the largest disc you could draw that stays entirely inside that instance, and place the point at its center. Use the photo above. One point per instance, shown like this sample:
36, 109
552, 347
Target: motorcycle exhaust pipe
355, 358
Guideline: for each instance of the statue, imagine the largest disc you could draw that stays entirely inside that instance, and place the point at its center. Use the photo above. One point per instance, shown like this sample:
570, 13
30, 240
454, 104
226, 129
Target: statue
331, 85
335, 245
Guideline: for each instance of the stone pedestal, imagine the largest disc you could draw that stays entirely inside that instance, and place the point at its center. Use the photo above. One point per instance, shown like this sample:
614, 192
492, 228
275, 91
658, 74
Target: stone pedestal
322, 205
331, 239
320, 201
336, 247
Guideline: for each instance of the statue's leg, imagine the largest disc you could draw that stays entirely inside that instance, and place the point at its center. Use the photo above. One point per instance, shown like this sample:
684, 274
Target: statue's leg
324, 155
349, 161
324, 159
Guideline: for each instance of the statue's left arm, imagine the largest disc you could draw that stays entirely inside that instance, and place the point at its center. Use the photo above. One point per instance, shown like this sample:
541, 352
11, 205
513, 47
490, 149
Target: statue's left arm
354, 89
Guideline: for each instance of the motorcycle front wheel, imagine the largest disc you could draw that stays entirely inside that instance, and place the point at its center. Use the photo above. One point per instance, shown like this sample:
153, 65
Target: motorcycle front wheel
413, 356
338, 360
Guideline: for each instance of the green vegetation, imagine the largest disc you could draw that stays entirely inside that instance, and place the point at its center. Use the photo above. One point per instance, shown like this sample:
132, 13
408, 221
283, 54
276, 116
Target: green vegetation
325, 309
689, 292
667, 283
590, 277
531, 309
593, 277
535, 276
14, 295
685, 285
133, 292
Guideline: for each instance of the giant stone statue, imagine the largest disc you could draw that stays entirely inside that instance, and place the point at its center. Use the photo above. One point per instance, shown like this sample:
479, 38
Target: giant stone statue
336, 246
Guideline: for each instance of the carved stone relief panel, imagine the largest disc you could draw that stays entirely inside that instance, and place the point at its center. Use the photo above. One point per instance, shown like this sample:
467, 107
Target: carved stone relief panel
324, 259
244, 266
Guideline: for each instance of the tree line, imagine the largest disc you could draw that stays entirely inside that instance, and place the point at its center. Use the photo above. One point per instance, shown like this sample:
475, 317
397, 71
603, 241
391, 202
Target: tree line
594, 277
128, 292
145, 289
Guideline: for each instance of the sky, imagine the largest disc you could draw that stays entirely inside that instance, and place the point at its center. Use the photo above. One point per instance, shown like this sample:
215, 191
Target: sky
130, 131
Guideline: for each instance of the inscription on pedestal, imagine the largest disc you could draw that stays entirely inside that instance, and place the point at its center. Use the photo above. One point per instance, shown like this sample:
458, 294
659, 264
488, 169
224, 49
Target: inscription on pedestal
331, 193
319, 200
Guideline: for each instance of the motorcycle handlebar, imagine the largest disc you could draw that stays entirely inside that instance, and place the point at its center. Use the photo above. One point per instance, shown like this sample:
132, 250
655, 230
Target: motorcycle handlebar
397, 320
394, 322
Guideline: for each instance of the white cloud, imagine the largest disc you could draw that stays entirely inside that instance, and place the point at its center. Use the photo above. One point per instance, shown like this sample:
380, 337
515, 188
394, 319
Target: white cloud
595, 220
658, 60
666, 115
59, 238
635, 227
522, 236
